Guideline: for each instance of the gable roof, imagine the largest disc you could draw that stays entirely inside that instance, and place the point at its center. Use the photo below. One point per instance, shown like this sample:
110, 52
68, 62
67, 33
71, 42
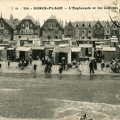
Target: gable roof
10, 23
69, 24
28, 17
80, 23
52, 17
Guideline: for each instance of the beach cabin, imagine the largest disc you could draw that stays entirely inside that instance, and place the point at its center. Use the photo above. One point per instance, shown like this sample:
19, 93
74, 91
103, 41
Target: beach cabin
23, 52
11, 53
109, 53
38, 52
3, 53
60, 52
75, 53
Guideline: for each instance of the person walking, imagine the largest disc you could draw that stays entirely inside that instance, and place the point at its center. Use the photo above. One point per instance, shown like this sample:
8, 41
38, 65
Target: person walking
8, 62
35, 68
60, 69
102, 65
80, 68
91, 66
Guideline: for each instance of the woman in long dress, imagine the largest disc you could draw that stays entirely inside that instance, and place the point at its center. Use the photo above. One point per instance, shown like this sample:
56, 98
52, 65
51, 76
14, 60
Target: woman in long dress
80, 68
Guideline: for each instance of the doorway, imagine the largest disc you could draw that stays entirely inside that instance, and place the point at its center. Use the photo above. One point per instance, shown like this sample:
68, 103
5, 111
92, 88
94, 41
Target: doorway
22, 55
61, 54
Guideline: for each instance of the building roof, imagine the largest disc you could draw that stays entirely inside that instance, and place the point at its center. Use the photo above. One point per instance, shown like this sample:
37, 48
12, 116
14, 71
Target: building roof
10, 24
75, 49
28, 17
85, 45
62, 49
52, 17
1, 48
109, 49
23, 49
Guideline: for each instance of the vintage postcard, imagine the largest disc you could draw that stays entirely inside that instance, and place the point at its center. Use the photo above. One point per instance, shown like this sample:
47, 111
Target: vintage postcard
60, 60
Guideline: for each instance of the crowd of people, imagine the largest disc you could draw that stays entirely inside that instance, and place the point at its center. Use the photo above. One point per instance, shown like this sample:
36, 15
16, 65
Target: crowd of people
63, 65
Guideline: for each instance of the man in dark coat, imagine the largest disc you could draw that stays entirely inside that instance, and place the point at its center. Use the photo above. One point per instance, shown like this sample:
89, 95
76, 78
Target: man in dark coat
91, 66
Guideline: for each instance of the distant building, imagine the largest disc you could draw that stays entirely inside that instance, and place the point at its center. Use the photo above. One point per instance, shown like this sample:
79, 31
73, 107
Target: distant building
52, 29
69, 30
27, 28
98, 30
6, 29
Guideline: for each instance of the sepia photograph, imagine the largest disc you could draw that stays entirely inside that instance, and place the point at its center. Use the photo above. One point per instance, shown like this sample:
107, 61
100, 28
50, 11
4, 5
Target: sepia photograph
60, 60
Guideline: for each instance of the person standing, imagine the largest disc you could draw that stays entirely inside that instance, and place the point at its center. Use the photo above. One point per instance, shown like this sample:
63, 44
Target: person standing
80, 68
102, 65
8, 61
91, 66
35, 68
95, 64
60, 69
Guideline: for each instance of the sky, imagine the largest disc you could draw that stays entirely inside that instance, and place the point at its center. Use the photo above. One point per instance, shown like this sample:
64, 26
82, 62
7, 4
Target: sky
95, 9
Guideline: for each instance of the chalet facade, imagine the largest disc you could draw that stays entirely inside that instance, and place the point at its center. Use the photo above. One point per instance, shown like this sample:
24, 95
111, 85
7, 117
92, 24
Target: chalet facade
98, 30
6, 29
27, 28
69, 30
52, 29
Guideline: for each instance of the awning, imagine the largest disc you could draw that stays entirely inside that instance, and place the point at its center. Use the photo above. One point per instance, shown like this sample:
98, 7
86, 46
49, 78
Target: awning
76, 49
99, 42
23, 48
23, 38
49, 46
99, 46
10, 48
85, 45
109, 49
61, 49
63, 45
1, 48
114, 39
37, 47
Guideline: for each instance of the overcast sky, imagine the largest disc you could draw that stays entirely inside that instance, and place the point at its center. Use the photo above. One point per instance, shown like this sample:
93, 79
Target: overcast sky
8, 7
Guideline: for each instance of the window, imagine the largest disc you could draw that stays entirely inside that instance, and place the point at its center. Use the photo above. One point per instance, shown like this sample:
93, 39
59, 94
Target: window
89, 25
107, 37
89, 31
56, 37
98, 25
83, 31
2, 25
83, 37
30, 41
77, 25
27, 25
107, 31
51, 25
22, 25
83, 25
89, 37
